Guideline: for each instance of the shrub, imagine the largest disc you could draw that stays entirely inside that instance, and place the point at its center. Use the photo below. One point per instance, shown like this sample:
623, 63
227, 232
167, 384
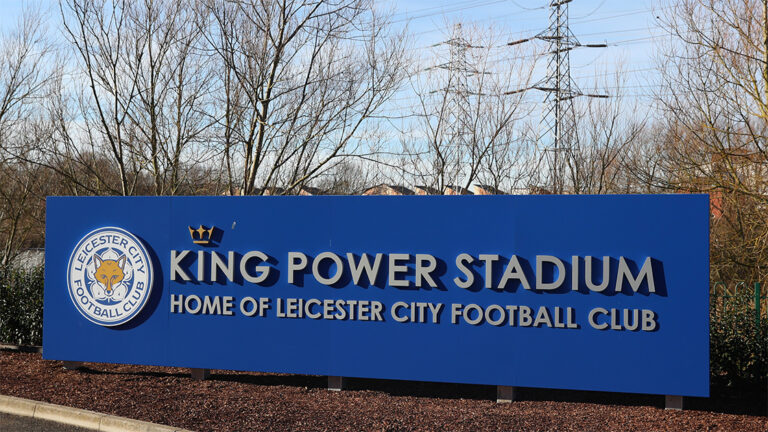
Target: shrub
738, 342
21, 306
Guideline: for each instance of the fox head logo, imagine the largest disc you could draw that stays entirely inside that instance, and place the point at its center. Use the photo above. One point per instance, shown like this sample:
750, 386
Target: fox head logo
109, 273
110, 276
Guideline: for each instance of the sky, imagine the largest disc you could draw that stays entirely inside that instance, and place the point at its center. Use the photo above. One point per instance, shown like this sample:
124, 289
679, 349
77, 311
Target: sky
629, 28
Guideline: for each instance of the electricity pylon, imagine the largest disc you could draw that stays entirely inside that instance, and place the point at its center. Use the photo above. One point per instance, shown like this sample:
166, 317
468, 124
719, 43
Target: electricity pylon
559, 116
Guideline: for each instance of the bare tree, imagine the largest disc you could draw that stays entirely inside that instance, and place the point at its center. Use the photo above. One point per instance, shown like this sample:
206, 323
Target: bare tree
469, 115
301, 81
25, 74
147, 84
174, 83
606, 129
715, 102
97, 29
347, 177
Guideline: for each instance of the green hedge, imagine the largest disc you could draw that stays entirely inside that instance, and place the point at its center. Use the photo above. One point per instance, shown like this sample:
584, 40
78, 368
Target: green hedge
21, 306
738, 342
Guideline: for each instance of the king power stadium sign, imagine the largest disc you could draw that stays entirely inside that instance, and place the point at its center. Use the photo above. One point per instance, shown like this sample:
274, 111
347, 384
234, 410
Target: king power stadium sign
577, 292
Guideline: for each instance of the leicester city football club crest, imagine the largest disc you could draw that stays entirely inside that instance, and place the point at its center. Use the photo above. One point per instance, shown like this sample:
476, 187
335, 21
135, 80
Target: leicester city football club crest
109, 276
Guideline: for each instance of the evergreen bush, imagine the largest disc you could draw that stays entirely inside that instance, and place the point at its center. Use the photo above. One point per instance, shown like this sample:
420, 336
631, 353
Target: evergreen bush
21, 306
738, 341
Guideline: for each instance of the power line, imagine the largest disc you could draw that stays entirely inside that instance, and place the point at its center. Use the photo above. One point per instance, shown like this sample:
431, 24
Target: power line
604, 74
436, 8
623, 14
445, 11
593, 11
504, 17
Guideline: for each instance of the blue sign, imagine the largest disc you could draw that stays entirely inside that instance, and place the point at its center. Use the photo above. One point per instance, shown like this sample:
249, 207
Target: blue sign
575, 292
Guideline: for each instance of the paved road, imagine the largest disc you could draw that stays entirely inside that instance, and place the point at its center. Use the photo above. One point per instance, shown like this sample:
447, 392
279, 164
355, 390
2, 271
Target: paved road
12, 423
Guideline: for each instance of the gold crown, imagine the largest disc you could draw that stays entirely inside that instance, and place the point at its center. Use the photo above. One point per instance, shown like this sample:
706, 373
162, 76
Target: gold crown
202, 235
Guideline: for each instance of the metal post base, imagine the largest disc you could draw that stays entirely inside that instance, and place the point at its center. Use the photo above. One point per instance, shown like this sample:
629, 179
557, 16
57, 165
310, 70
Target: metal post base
505, 394
673, 402
73, 365
336, 383
200, 374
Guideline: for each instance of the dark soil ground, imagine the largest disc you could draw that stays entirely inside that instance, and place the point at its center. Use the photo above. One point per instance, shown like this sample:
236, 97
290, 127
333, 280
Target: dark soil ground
237, 401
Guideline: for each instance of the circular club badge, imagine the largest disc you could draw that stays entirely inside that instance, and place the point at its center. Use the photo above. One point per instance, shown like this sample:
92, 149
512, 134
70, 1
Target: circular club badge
109, 276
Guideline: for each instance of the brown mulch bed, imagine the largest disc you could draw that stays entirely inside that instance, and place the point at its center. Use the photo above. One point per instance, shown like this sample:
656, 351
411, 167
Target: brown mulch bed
255, 401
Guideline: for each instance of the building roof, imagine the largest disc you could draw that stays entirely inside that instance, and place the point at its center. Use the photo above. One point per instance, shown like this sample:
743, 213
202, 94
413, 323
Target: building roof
456, 190
481, 189
426, 190
310, 190
387, 189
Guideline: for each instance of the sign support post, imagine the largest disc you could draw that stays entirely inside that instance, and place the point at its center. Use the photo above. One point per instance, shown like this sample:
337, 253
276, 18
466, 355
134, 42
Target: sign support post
673, 402
199, 374
506, 394
72, 365
336, 383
